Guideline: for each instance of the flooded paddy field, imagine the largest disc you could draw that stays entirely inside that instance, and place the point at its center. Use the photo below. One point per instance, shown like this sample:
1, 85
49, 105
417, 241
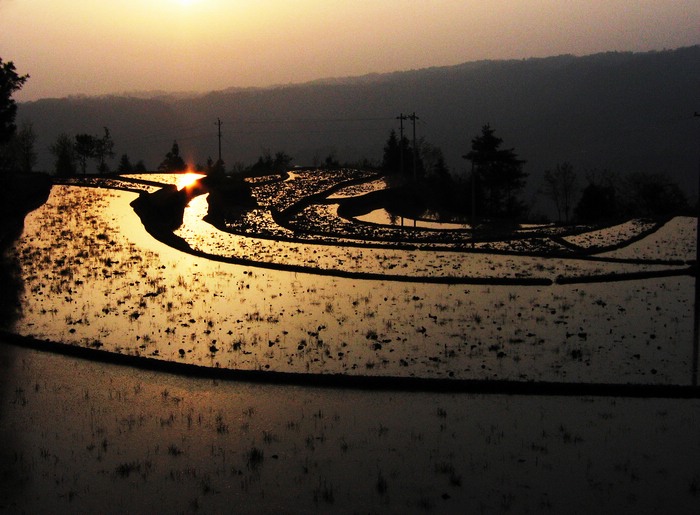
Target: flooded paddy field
94, 277
83, 436
282, 290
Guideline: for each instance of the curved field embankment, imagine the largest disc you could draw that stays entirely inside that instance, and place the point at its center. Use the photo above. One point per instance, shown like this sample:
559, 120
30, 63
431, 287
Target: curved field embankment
296, 238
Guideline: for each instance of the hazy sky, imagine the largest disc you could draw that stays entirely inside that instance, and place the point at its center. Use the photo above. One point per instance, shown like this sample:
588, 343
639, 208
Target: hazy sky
107, 46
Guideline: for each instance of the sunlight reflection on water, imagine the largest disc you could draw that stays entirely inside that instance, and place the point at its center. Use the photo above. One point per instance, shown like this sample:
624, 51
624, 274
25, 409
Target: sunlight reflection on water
187, 179
204, 237
383, 217
94, 276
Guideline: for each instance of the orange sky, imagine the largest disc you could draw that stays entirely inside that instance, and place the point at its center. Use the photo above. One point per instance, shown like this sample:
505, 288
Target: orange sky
111, 46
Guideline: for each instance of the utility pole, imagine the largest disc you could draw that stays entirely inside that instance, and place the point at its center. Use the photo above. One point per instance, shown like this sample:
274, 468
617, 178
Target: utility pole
696, 324
413, 118
218, 123
401, 118
473, 206
470, 156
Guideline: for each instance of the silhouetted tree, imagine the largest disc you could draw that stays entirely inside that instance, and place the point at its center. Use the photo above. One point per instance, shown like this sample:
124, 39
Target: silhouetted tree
652, 195
125, 165
217, 168
331, 163
262, 166
598, 201
64, 152
560, 187
140, 167
499, 175
173, 162
104, 149
393, 152
20, 154
282, 162
432, 161
267, 164
9, 83
84, 147
25, 148
239, 168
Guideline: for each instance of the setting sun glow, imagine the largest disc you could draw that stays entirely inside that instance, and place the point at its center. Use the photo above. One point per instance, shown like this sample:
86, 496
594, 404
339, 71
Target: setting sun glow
224, 44
187, 179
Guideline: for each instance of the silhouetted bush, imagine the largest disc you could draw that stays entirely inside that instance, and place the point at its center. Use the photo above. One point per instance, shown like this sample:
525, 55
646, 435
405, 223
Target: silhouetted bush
162, 210
228, 196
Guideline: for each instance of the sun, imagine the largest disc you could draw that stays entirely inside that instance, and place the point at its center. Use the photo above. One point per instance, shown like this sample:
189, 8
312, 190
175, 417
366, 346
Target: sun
187, 179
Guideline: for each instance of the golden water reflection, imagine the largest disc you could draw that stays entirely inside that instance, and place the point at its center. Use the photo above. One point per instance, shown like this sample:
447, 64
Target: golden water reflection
94, 277
187, 179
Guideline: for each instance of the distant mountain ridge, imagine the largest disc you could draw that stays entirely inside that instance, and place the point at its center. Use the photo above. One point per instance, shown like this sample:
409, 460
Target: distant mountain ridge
618, 110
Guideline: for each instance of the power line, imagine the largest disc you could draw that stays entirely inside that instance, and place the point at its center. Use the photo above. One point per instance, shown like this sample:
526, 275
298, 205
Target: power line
169, 131
306, 120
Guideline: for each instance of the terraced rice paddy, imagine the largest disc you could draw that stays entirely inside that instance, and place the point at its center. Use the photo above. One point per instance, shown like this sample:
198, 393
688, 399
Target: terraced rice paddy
95, 278
292, 289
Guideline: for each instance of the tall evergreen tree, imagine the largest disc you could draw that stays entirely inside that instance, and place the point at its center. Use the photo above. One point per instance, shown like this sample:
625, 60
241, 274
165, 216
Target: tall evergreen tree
390, 161
499, 175
394, 150
140, 167
125, 165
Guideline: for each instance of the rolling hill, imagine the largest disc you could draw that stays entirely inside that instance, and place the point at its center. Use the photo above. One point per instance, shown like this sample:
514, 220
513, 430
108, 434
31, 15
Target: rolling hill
619, 111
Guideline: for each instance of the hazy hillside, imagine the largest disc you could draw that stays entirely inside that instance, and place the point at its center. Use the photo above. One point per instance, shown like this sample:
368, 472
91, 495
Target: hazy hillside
621, 111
